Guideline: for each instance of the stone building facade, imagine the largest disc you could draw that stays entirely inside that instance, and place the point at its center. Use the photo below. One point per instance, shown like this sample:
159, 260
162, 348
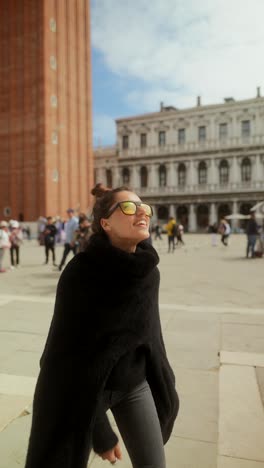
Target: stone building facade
196, 164
46, 160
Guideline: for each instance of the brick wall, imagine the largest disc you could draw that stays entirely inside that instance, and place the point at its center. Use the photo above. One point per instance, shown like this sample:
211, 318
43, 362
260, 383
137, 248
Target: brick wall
46, 162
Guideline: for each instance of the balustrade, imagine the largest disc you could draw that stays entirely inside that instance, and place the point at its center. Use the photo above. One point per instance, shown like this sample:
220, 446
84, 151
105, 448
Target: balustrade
211, 144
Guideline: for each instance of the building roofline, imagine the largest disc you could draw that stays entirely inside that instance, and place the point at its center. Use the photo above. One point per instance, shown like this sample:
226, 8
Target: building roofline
198, 109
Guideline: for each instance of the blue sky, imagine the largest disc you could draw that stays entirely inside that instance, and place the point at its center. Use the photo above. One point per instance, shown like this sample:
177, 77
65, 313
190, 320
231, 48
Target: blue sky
145, 52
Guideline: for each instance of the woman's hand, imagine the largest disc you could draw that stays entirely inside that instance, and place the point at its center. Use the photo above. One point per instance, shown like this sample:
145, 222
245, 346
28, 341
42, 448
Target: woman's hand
113, 454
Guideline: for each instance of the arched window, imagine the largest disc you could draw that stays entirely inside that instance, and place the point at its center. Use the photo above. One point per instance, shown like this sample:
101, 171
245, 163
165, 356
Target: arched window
202, 216
182, 175
126, 176
143, 176
202, 173
223, 172
246, 170
162, 176
223, 210
182, 215
245, 210
109, 178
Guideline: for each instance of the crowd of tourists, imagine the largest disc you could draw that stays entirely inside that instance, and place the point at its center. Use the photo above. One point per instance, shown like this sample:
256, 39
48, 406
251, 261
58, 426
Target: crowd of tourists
11, 238
254, 233
174, 233
75, 232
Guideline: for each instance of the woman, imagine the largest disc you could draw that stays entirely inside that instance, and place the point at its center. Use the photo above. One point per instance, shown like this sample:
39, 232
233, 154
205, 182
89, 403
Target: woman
105, 349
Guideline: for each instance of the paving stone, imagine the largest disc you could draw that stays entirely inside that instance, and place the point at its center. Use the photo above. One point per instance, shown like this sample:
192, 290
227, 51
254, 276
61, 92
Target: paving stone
11, 406
198, 414
187, 320
248, 319
165, 316
23, 362
242, 359
19, 316
195, 305
227, 462
187, 453
13, 344
241, 415
242, 337
17, 385
260, 381
190, 339
188, 359
14, 443
224, 310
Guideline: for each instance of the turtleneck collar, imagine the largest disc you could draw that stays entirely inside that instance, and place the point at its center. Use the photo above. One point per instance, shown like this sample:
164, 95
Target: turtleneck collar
137, 264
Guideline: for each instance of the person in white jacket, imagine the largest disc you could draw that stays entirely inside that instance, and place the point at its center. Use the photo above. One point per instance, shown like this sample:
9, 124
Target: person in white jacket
4, 243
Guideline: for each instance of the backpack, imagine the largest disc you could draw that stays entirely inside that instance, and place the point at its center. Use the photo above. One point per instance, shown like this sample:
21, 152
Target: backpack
49, 240
174, 230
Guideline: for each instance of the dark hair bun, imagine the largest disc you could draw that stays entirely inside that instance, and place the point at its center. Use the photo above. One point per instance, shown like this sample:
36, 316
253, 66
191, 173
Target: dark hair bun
99, 190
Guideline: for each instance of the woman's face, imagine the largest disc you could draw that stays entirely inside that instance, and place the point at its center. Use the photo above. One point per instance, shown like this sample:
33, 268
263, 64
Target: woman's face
126, 231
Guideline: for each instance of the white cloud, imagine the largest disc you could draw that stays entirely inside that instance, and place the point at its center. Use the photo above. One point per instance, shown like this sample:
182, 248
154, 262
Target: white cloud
103, 129
182, 48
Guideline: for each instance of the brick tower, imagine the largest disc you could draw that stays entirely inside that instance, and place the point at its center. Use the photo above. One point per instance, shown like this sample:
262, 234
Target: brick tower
46, 162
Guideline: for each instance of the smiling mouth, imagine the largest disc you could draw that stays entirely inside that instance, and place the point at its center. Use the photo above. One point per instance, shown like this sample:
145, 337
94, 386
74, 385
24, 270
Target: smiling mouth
142, 224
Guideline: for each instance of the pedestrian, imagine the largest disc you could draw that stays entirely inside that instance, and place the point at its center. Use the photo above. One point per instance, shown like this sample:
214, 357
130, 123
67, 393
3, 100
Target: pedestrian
213, 230
16, 240
4, 243
49, 240
83, 233
225, 231
58, 225
70, 245
105, 349
42, 221
157, 230
179, 234
171, 231
252, 231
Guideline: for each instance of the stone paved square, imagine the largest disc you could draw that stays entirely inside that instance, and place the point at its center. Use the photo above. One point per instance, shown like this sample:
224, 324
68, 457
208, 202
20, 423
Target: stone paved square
211, 300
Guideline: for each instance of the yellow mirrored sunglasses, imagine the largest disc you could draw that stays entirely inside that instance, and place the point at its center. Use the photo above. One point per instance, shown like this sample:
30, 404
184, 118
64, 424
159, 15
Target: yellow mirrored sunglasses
130, 208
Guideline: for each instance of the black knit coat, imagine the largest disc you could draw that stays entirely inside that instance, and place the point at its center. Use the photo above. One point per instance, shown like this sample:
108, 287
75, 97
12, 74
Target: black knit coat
106, 306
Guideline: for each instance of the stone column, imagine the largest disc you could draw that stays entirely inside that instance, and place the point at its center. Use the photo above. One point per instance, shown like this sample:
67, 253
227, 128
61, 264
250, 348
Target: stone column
176, 167
213, 214
234, 222
257, 175
116, 177
154, 176
171, 174
155, 214
214, 173
135, 178
192, 219
234, 179
172, 210
100, 176
192, 180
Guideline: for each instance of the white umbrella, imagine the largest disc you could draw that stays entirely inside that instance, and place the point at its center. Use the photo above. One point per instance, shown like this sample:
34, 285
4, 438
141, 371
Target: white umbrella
258, 206
237, 216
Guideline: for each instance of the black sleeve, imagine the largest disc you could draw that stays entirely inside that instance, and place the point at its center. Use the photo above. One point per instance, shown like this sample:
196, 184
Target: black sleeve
103, 438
